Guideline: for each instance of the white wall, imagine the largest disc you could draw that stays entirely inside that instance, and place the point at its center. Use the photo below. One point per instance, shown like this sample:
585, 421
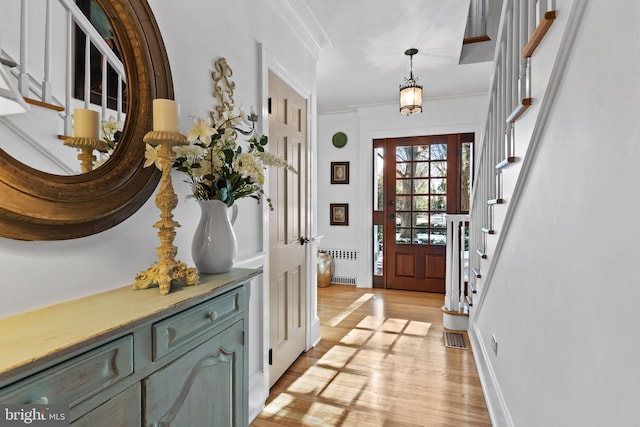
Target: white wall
249, 35
561, 300
205, 31
339, 236
440, 116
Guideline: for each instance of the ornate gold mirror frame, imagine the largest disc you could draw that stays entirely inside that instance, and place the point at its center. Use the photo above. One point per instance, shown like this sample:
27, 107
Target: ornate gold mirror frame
35, 205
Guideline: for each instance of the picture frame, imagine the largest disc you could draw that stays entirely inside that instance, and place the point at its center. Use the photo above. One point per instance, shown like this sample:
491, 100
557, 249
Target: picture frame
339, 172
339, 214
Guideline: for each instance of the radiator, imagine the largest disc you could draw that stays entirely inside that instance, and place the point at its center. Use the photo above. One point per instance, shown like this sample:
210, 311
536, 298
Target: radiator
346, 265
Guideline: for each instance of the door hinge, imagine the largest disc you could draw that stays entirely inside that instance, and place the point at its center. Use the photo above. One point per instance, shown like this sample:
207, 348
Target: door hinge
270, 356
243, 343
269, 105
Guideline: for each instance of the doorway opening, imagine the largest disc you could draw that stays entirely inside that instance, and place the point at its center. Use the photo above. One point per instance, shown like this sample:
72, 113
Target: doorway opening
416, 182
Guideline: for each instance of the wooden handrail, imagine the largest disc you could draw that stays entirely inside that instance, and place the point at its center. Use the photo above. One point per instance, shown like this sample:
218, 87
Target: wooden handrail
476, 39
43, 104
538, 34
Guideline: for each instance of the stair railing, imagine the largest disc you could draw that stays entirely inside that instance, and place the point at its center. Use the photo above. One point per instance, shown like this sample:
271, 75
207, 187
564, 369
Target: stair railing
45, 90
522, 26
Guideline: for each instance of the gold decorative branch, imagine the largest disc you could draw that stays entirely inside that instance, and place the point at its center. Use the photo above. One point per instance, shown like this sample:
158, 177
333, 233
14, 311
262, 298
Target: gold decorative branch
223, 89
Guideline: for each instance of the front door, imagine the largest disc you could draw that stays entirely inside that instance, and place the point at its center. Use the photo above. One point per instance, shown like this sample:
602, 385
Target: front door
287, 222
422, 183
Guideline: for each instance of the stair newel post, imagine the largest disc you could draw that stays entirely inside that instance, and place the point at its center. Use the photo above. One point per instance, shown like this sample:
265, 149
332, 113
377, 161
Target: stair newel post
462, 228
455, 311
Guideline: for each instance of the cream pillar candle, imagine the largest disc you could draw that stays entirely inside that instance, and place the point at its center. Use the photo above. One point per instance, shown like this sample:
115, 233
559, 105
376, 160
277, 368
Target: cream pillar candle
165, 115
85, 123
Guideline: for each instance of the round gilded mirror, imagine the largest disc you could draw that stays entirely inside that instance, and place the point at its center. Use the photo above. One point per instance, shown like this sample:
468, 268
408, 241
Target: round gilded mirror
41, 137
36, 205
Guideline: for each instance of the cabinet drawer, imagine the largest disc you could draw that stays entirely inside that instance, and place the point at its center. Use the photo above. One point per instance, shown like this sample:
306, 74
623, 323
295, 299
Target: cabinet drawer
76, 379
176, 331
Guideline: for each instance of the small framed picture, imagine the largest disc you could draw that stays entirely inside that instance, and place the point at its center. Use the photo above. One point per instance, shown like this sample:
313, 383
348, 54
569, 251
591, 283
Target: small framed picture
339, 214
339, 172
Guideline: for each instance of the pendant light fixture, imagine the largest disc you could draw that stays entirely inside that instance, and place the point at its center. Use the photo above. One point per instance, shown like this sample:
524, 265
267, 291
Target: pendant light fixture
410, 91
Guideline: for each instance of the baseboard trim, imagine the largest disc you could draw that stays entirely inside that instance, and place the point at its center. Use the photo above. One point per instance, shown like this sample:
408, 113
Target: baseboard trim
314, 333
258, 395
497, 407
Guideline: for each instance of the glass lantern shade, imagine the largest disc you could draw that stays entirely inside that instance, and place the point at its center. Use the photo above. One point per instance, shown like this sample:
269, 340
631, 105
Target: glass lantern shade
410, 98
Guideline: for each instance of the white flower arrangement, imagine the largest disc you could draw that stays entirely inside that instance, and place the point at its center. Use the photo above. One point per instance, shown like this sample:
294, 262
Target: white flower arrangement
216, 166
111, 133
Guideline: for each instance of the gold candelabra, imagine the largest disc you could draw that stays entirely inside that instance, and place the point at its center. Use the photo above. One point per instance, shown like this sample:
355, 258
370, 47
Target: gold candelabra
86, 146
85, 137
166, 269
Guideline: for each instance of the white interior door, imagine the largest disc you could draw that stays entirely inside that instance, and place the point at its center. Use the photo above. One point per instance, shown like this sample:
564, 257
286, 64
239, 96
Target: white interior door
287, 222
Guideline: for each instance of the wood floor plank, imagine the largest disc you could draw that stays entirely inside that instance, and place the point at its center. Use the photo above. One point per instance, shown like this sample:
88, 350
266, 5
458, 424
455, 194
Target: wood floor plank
381, 362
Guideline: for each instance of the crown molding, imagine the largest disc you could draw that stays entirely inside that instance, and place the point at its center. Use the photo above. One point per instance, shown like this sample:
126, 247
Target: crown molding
304, 24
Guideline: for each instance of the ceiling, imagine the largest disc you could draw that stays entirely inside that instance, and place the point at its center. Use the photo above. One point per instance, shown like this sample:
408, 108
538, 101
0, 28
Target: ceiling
362, 60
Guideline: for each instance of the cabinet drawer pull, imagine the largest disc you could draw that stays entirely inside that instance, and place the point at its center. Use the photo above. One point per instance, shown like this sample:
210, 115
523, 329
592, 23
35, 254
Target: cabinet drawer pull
212, 315
43, 400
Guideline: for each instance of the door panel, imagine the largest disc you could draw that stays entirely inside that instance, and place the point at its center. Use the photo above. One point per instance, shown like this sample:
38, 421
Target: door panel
417, 202
421, 184
201, 388
287, 265
405, 264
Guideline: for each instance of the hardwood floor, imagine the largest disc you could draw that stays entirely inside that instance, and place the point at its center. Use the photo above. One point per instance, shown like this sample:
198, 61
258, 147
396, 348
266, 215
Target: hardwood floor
381, 362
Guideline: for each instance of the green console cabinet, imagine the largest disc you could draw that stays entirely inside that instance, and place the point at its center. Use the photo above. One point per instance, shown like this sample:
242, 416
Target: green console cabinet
136, 358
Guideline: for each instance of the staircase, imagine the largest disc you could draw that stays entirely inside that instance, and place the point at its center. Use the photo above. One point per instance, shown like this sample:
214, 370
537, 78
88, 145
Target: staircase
523, 25
62, 62
534, 40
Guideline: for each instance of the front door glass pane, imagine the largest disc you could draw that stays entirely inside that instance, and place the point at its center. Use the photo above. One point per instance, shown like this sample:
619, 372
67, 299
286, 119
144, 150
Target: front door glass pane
403, 203
421, 194
378, 171
377, 250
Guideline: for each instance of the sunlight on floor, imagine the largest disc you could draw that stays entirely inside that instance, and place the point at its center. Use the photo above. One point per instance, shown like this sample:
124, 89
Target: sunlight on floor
349, 374
337, 356
344, 388
321, 414
374, 368
314, 380
279, 405
353, 307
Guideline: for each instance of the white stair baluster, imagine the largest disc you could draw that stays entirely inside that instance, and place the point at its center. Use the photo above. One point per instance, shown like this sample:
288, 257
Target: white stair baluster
46, 82
103, 99
68, 123
23, 77
87, 72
